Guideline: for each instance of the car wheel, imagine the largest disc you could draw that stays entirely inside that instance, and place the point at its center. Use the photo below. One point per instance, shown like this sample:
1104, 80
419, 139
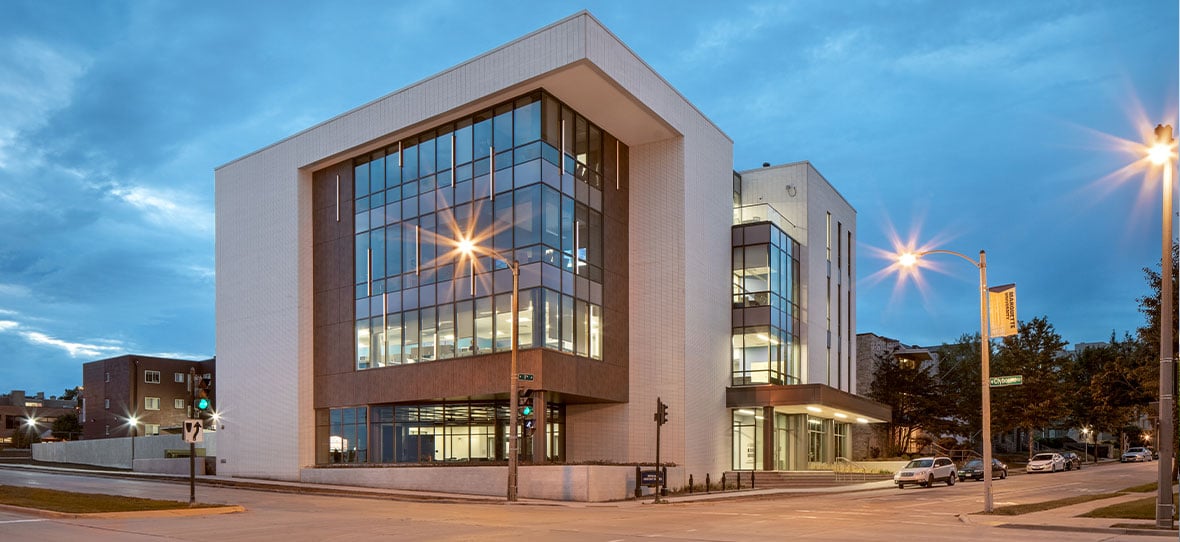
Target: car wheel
930, 480
900, 486
1003, 474
950, 481
1069, 466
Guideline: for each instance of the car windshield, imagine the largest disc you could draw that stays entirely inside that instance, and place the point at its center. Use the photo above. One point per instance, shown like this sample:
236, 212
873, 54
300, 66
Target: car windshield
919, 463
973, 464
1135, 450
1043, 457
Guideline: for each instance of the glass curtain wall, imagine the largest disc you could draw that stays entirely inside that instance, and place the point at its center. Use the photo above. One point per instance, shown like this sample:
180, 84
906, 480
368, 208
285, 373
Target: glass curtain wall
470, 431
766, 274
523, 178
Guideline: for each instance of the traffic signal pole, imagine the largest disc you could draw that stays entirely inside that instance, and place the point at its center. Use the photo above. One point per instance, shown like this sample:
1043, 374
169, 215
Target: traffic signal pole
192, 446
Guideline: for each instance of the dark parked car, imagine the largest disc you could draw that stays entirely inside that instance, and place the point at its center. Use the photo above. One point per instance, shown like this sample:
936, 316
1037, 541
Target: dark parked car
1072, 461
973, 469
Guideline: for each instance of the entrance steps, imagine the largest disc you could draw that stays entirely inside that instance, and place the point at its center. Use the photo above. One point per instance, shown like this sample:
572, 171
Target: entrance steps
803, 478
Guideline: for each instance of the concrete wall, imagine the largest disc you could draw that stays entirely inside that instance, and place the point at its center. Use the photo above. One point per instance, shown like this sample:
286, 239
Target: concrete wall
116, 452
584, 483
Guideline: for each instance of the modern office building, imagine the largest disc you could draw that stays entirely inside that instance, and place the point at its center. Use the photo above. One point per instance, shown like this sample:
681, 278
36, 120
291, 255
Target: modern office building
152, 391
357, 342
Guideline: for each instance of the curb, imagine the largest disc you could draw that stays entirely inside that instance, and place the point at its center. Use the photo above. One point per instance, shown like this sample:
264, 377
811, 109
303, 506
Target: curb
1105, 530
176, 512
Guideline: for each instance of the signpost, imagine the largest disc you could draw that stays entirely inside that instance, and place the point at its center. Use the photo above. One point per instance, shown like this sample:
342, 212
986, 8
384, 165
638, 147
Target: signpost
1001, 381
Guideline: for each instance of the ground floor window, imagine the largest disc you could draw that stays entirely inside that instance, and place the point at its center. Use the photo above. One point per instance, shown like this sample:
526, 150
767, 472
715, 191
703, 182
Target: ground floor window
843, 444
468, 431
815, 440
343, 435
747, 430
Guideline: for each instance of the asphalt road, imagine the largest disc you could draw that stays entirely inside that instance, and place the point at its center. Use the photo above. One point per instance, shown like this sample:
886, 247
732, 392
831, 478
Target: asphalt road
938, 513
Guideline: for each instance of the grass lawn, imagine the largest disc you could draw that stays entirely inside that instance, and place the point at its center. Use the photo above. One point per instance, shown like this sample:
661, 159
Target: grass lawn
1137, 509
1018, 509
84, 503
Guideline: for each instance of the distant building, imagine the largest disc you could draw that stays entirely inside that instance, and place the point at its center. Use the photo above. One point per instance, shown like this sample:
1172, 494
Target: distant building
153, 390
869, 347
17, 408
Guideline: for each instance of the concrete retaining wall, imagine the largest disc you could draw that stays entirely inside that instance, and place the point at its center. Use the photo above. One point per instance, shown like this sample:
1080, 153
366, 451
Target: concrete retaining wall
116, 452
586, 483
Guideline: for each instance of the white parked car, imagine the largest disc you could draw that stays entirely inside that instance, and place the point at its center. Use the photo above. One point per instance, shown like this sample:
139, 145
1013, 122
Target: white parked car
1046, 462
1135, 454
925, 471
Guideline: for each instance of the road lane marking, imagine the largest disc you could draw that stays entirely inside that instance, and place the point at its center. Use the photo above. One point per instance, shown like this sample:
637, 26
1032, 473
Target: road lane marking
21, 521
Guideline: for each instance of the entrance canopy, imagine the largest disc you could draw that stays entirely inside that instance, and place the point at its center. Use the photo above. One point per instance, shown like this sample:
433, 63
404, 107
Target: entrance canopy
815, 399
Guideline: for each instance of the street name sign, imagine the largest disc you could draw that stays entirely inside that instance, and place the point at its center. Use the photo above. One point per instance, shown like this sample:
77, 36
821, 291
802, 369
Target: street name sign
1000, 381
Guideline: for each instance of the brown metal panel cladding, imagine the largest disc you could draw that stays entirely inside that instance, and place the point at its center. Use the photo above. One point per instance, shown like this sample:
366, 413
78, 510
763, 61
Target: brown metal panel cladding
334, 264
573, 379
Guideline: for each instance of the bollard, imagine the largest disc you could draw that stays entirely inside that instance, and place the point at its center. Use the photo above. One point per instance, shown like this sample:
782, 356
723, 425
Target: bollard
739, 482
690, 488
638, 481
664, 483
708, 485
723, 481
751, 479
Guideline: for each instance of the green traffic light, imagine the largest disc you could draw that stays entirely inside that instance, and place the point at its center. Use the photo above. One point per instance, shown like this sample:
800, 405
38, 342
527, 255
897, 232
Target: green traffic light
202, 403
527, 411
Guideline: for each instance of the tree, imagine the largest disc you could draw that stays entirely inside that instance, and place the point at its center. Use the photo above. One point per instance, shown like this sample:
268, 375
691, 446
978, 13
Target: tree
1149, 336
958, 372
1107, 385
24, 437
1039, 402
69, 394
915, 397
66, 426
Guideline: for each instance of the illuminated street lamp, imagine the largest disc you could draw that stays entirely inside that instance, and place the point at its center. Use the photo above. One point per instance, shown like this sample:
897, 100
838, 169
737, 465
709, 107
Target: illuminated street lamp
910, 259
1086, 443
1161, 154
133, 421
468, 248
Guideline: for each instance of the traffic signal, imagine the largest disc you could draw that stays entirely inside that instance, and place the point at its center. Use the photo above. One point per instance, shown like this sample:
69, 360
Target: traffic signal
525, 406
661, 412
201, 402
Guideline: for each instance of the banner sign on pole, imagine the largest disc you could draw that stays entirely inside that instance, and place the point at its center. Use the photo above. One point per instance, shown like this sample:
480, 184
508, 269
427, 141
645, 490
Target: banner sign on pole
1002, 306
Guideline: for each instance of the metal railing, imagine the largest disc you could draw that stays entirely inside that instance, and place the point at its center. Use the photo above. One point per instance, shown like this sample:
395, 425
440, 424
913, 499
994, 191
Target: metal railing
846, 469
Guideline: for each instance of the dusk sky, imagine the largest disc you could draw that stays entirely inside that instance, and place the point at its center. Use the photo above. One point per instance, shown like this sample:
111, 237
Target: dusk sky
1007, 126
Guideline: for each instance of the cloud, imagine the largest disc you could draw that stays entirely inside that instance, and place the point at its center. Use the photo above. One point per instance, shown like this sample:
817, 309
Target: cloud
74, 349
35, 80
167, 208
723, 35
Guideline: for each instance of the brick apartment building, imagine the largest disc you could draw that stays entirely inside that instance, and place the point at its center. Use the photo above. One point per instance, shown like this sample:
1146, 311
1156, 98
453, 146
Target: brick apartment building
153, 390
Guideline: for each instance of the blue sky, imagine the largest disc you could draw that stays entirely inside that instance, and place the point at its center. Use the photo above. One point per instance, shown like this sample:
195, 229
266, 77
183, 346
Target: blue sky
973, 125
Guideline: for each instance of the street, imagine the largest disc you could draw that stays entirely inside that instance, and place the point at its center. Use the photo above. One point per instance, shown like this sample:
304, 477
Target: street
879, 514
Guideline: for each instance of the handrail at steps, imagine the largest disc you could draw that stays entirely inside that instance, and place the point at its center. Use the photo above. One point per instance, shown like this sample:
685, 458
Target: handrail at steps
846, 469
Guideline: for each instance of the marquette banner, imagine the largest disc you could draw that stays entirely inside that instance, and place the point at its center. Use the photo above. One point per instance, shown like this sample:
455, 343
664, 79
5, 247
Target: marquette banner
1001, 301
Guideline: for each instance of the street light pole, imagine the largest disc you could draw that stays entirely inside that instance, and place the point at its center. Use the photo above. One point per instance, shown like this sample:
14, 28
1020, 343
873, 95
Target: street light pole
468, 248
514, 385
1162, 154
985, 363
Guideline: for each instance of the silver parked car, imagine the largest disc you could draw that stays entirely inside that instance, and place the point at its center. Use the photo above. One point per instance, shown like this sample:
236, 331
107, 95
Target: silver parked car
924, 471
1046, 462
1135, 454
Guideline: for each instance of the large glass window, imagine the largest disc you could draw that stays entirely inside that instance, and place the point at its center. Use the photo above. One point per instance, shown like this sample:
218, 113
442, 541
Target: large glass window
415, 197
462, 431
765, 283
